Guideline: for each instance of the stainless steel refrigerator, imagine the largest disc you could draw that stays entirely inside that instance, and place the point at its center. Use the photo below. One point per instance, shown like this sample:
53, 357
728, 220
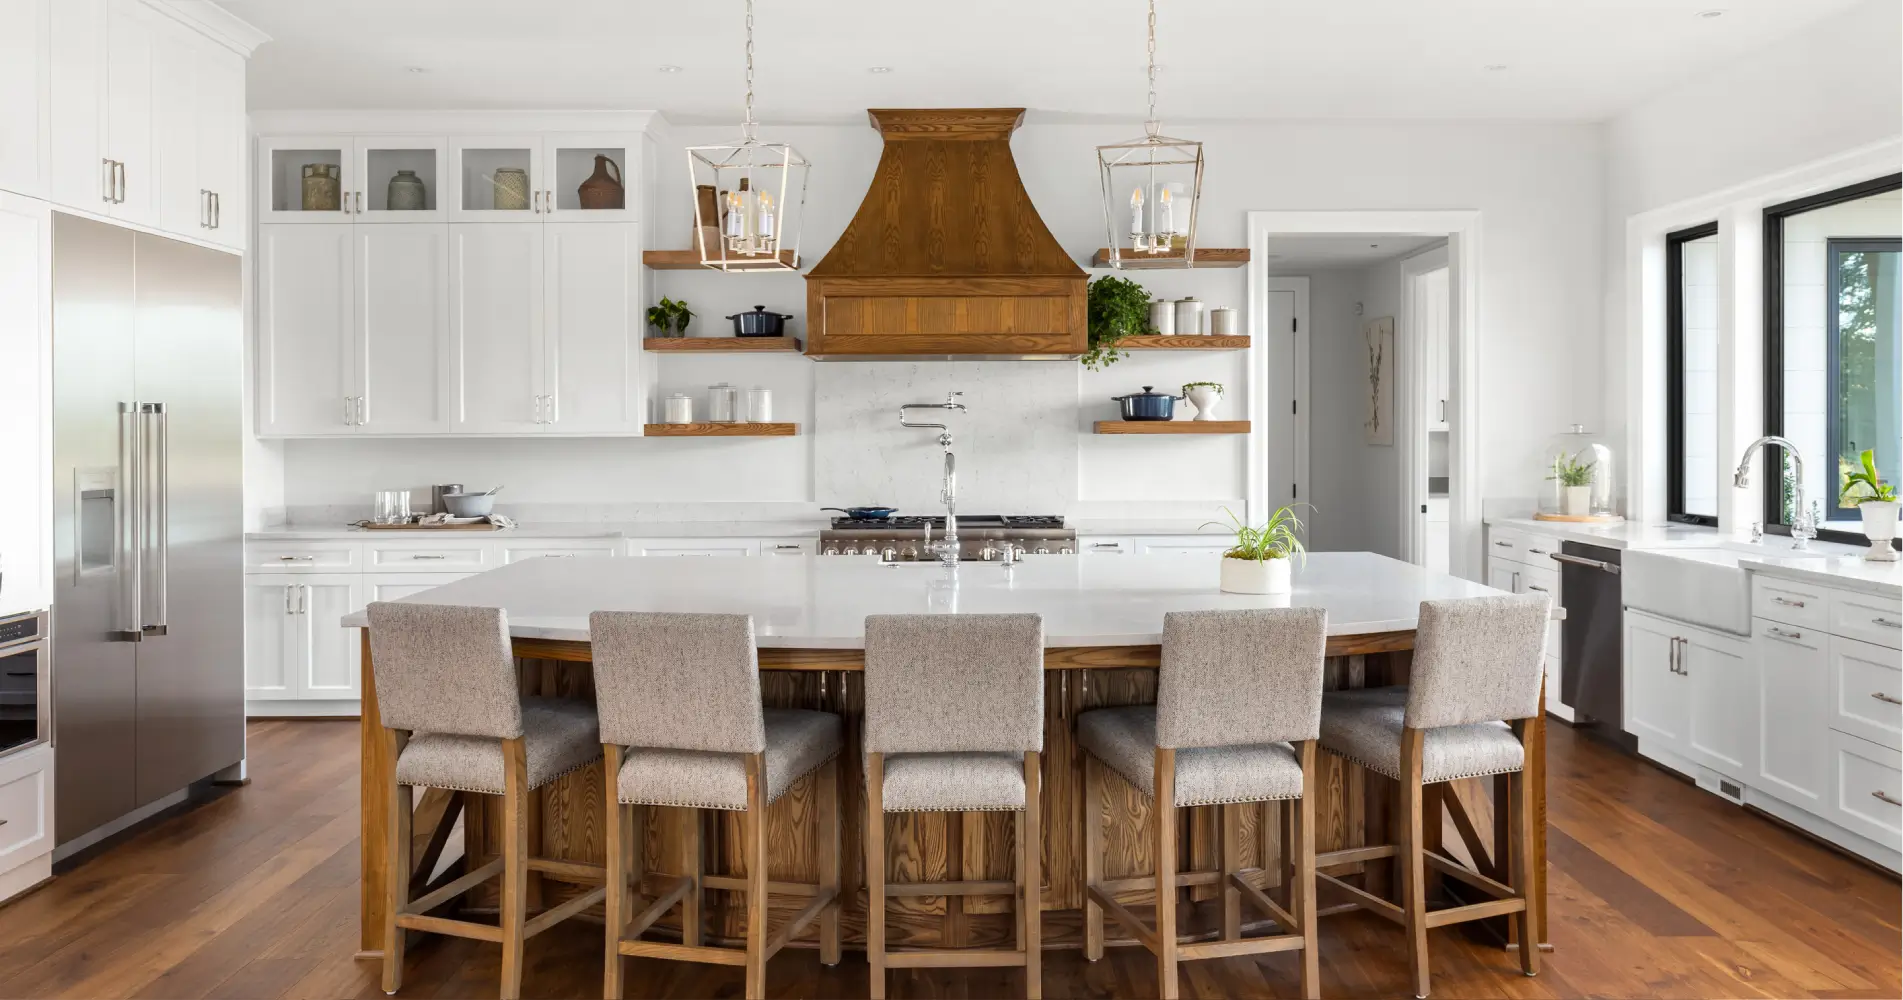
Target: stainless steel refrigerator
148, 641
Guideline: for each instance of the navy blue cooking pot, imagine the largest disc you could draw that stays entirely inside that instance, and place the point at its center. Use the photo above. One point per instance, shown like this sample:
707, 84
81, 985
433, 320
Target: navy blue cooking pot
1147, 405
865, 513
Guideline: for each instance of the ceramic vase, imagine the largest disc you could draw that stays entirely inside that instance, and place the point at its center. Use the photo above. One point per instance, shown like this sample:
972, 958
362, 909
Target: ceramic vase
1205, 398
1577, 501
406, 193
1253, 576
1879, 526
511, 189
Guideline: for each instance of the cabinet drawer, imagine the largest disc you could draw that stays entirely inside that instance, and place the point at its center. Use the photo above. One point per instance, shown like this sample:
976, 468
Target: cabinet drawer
594, 548
1505, 543
788, 546
1095, 545
1866, 691
1537, 550
1790, 603
1867, 790
1871, 619
25, 781
692, 547
427, 557
304, 557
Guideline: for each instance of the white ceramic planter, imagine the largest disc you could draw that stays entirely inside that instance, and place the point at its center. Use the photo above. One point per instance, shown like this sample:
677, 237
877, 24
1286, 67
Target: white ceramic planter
1205, 398
1578, 501
1879, 526
1249, 576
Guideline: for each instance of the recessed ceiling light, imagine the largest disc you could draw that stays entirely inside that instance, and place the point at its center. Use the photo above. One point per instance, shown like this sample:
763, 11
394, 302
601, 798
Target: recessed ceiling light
878, 69
1495, 67
416, 69
669, 69
1709, 14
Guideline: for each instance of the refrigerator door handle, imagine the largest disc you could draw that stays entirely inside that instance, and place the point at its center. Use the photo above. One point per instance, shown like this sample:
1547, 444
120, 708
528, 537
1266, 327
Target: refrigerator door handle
127, 558
158, 536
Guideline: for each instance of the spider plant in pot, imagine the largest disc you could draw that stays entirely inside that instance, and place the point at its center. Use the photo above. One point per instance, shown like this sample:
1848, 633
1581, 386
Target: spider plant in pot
1875, 501
1575, 485
1259, 561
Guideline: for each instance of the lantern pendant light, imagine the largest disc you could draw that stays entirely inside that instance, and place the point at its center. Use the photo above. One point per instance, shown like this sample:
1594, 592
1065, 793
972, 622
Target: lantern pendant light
1154, 224
749, 196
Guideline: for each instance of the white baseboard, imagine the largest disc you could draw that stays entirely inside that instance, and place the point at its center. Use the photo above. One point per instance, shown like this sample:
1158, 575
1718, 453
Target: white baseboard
1824, 829
18, 880
341, 708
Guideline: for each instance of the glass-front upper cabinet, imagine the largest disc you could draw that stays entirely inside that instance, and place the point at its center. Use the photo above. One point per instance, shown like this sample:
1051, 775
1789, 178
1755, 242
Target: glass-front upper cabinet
306, 178
592, 177
497, 178
399, 179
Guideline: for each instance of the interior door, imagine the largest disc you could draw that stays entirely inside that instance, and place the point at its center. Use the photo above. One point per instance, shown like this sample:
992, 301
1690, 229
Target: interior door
1655, 700
190, 331
306, 365
594, 328
1281, 372
496, 315
402, 328
332, 655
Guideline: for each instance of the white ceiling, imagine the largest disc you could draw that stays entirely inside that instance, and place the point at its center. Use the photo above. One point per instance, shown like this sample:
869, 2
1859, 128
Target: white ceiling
1570, 60
1301, 254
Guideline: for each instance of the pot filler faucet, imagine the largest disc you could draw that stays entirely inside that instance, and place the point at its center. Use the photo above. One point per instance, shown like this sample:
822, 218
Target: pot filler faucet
1802, 530
947, 546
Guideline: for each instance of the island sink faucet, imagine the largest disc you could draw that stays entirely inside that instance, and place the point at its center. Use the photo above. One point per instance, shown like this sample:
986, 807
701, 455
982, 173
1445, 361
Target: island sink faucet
947, 545
1802, 528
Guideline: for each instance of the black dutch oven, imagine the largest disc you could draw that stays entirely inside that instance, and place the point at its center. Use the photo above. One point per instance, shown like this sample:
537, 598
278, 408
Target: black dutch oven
759, 323
1148, 405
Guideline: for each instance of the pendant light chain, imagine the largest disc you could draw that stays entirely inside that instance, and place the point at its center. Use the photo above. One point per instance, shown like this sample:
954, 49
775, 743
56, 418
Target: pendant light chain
1150, 125
747, 128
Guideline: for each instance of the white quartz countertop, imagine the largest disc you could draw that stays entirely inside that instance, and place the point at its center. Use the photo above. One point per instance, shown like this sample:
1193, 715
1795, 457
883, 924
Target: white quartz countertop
815, 602
1879, 579
1830, 564
1620, 534
559, 529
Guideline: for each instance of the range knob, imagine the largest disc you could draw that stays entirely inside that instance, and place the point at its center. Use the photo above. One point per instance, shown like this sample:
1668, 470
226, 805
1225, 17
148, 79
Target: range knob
831, 550
1064, 551
852, 550
909, 552
1043, 550
987, 553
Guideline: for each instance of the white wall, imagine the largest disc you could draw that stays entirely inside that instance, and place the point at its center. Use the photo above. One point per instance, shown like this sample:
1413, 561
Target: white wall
1538, 187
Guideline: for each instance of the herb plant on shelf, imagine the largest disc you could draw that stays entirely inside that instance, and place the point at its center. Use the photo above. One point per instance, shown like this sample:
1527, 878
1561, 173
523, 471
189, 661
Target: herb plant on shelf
670, 318
1575, 480
1259, 561
1876, 503
1116, 308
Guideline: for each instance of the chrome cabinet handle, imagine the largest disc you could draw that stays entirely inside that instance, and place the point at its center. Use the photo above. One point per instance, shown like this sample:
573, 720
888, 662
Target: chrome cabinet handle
105, 189
1886, 699
1537, 552
554, 407
360, 203
297, 558
1671, 655
204, 209
1885, 797
1504, 545
348, 411
537, 405
287, 597
1516, 583
428, 557
1886, 623
217, 211
120, 167
1781, 634
303, 598
1535, 586
1787, 602
363, 411
788, 548
537, 202
1443, 411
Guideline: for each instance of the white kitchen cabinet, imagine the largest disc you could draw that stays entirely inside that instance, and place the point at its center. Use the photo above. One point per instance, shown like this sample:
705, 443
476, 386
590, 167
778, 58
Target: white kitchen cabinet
329, 656
401, 346
307, 378
283, 162
221, 145
1793, 761
395, 588
25, 95
81, 176
1169, 545
497, 179
407, 553
130, 34
1721, 701
593, 329
25, 404
1098, 545
377, 160
197, 106
693, 547
496, 314
570, 158
598, 548
1867, 790
1503, 574
1866, 691
270, 637
1867, 619
26, 812
1654, 690
788, 546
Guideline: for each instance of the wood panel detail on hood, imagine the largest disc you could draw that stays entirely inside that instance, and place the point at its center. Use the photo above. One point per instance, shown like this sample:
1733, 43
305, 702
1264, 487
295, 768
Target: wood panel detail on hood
946, 255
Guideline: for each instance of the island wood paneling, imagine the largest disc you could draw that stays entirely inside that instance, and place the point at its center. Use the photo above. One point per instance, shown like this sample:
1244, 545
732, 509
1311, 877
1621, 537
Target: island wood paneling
568, 822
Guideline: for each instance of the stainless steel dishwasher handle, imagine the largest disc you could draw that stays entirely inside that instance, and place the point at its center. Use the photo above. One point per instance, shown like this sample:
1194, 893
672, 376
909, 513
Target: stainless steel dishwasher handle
1598, 564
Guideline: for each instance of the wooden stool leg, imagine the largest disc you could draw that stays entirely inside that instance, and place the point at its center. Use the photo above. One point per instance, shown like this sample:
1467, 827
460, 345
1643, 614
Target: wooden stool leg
515, 863
1093, 855
1302, 882
1526, 867
614, 844
1230, 850
753, 836
1413, 862
1164, 817
1286, 855
402, 804
875, 872
1031, 873
829, 861
693, 858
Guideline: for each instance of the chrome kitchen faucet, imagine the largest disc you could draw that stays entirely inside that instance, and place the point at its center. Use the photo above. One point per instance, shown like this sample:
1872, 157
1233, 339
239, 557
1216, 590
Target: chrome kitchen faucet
947, 545
1802, 528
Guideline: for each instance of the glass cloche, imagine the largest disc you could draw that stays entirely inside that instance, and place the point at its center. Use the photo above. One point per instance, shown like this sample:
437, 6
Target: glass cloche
1577, 477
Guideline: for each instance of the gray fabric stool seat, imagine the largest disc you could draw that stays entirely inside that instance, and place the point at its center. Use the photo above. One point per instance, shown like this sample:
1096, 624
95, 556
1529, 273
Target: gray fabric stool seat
448, 696
1365, 727
797, 743
954, 723
682, 726
1238, 708
1478, 665
558, 737
1125, 739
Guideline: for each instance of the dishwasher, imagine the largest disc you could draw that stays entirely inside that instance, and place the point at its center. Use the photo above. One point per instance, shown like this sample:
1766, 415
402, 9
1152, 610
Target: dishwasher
1591, 653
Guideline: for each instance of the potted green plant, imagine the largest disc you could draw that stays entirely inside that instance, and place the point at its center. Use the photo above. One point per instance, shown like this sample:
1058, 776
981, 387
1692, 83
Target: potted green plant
1116, 308
1575, 483
1875, 501
1205, 396
1259, 561
670, 318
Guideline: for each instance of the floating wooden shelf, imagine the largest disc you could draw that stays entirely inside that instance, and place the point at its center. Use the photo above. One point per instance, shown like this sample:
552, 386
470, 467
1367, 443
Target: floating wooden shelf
721, 430
1172, 427
1191, 342
689, 260
1205, 257
722, 344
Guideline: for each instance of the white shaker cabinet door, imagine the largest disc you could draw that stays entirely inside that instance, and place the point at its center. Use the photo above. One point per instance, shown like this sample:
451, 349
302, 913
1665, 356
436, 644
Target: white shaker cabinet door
270, 637
1654, 697
25, 75
402, 328
307, 380
25, 344
496, 313
80, 176
130, 31
181, 202
1722, 701
594, 328
221, 143
331, 654
1793, 712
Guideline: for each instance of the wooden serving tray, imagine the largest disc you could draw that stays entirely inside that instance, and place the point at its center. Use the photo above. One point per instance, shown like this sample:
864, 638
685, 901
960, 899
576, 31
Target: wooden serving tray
1579, 518
472, 526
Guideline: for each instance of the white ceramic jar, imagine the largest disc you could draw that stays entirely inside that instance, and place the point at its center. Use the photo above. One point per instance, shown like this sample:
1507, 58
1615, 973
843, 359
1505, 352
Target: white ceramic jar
678, 409
759, 405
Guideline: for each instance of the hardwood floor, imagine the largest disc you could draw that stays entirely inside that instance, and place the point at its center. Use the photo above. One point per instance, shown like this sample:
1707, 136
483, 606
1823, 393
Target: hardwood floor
1657, 889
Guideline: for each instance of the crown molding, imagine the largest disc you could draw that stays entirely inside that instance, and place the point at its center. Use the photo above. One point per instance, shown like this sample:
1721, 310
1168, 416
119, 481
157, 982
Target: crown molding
214, 22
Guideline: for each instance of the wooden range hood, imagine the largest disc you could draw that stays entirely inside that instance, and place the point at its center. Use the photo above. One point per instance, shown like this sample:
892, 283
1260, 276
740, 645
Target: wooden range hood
946, 256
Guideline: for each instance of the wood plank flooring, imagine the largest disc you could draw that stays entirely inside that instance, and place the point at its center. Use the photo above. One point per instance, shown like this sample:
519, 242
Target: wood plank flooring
1657, 890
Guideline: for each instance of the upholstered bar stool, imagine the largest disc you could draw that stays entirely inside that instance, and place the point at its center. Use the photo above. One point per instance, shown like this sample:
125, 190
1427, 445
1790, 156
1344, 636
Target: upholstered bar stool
955, 723
1236, 691
1473, 686
454, 719
682, 724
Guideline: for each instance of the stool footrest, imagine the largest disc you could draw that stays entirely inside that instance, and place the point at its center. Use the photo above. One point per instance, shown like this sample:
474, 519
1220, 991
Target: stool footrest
662, 903
1366, 900
555, 915
1000, 887
452, 890
453, 928
951, 958
1474, 911
1245, 946
1262, 901
1454, 869
805, 916
1145, 934
1348, 856
684, 953
1135, 882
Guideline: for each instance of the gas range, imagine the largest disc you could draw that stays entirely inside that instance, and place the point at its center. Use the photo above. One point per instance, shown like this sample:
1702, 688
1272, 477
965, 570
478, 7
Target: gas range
981, 537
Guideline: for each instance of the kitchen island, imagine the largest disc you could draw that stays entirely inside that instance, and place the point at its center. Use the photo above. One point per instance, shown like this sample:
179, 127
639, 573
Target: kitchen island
1103, 623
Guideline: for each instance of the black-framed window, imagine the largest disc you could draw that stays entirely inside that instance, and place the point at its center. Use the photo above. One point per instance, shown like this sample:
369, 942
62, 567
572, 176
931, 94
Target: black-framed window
1691, 374
1833, 361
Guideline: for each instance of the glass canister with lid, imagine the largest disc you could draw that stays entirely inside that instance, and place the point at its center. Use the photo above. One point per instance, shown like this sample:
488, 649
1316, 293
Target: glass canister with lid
1578, 476
723, 403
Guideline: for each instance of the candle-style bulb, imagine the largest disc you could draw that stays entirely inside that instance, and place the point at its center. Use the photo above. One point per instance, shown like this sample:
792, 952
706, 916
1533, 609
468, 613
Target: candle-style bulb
1136, 218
